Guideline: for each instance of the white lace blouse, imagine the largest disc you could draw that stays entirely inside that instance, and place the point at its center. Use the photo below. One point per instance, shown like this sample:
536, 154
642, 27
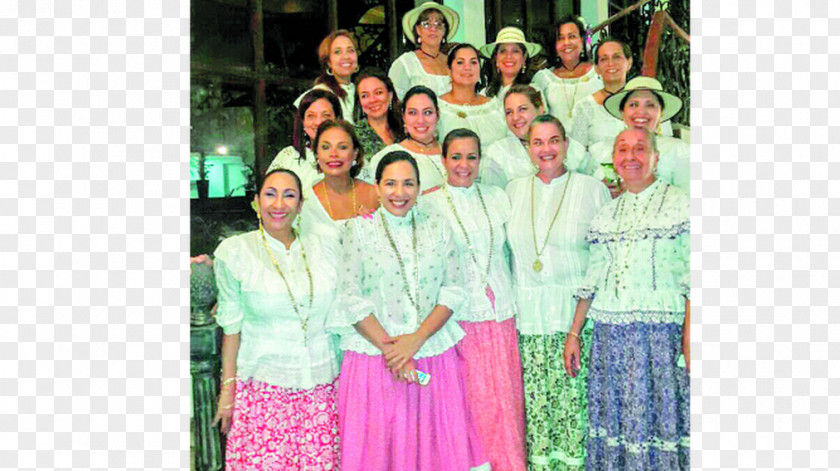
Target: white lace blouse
471, 213
545, 298
561, 95
487, 120
373, 281
305, 170
254, 303
407, 71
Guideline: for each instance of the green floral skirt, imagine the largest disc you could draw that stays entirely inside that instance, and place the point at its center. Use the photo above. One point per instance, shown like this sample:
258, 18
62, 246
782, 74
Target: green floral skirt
555, 403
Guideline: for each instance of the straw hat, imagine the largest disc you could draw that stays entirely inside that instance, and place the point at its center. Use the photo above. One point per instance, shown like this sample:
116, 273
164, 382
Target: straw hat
449, 14
510, 34
672, 103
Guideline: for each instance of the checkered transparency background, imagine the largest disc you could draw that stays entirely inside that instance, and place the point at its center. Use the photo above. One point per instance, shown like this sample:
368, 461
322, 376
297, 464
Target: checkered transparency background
94, 133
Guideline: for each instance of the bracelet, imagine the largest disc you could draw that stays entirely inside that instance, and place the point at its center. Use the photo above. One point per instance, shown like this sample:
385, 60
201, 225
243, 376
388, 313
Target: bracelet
228, 381
229, 406
572, 333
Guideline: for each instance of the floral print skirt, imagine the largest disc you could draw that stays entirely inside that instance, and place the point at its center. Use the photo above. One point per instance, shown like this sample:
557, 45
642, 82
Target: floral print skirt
555, 403
280, 428
638, 398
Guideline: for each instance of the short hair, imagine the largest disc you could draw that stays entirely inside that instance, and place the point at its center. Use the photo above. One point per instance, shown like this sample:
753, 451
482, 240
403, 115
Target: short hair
649, 136
460, 133
423, 16
271, 172
584, 37
547, 118
533, 95
356, 168
300, 140
393, 157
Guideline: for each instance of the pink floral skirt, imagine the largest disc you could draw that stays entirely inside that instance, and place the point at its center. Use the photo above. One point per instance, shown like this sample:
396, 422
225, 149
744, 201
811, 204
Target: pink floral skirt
389, 425
276, 428
494, 390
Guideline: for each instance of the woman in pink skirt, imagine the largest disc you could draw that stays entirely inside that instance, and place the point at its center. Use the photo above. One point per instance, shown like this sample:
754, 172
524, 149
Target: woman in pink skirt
477, 214
402, 395
279, 365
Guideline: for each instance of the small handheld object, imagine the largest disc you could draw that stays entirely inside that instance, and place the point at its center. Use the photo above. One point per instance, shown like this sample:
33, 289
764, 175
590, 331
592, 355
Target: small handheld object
423, 378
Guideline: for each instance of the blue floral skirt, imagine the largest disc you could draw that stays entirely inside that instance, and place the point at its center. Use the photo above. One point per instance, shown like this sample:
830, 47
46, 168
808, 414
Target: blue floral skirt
638, 398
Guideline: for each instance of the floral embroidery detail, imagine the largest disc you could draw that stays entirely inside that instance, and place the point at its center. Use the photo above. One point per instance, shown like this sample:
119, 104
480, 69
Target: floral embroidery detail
597, 237
636, 315
587, 292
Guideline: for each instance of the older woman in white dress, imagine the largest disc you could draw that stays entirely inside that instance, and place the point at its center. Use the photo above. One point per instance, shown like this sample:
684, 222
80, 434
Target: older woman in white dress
428, 26
463, 106
551, 212
476, 213
573, 77
420, 115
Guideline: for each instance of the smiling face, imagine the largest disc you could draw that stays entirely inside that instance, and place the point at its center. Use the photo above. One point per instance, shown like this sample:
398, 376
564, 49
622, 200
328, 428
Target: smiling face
398, 187
420, 117
343, 58
634, 158
547, 148
279, 201
465, 67
519, 112
569, 44
431, 28
510, 58
374, 97
336, 153
461, 161
319, 111
642, 110
611, 64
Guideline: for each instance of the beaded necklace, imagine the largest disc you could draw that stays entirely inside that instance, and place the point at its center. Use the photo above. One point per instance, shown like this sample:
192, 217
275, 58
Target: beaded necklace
304, 321
414, 300
625, 251
352, 196
487, 289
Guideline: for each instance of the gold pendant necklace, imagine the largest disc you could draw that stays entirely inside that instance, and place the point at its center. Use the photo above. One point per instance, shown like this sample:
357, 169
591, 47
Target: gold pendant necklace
538, 265
304, 321
352, 196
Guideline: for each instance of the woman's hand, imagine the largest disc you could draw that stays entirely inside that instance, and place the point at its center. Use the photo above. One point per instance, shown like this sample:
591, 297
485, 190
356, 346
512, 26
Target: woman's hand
408, 373
224, 409
203, 258
615, 187
401, 349
571, 355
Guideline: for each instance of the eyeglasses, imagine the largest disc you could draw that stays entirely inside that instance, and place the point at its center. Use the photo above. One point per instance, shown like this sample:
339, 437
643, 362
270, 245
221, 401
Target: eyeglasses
435, 25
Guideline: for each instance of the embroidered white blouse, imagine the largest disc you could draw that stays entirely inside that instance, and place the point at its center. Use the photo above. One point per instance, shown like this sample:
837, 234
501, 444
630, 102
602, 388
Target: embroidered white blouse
305, 170
346, 103
487, 120
371, 280
407, 71
545, 298
472, 215
254, 303
507, 159
432, 171
639, 265
561, 95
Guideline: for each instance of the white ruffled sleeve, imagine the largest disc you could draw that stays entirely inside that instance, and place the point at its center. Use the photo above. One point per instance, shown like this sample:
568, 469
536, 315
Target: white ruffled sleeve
351, 305
229, 313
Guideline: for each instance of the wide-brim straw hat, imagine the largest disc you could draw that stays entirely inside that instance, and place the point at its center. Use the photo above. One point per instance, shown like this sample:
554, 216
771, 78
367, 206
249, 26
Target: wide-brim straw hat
510, 34
451, 16
672, 103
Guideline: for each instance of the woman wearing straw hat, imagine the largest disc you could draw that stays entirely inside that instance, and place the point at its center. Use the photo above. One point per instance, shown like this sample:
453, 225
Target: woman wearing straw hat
510, 56
643, 104
573, 77
428, 26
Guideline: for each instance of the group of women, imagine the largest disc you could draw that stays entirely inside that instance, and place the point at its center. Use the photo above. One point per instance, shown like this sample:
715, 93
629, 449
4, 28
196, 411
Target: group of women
439, 282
